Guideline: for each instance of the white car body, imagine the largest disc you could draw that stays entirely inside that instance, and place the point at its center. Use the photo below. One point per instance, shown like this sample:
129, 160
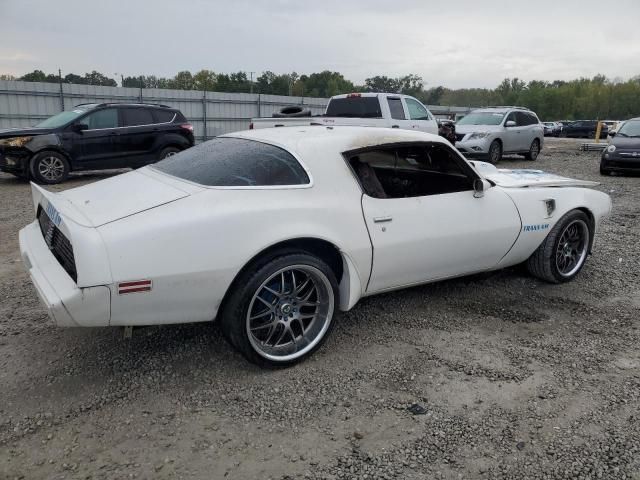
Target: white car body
187, 242
408, 114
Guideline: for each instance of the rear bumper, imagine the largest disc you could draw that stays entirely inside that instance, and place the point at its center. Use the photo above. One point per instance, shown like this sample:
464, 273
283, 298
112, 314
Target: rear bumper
66, 303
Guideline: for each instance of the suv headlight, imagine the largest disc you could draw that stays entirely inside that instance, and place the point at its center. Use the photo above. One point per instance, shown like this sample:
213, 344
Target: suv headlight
479, 135
14, 141
611, 148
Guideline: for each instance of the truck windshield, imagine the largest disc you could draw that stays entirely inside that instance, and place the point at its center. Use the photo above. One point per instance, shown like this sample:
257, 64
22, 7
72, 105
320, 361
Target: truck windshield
356, 107
482, 118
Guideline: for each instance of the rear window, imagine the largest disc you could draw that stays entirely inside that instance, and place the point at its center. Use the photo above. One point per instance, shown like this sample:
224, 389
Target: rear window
136, 116
235, 162
357, 107
163, 116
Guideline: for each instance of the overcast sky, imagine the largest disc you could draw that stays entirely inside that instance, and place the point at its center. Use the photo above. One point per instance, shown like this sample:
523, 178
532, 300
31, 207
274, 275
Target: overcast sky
455, 43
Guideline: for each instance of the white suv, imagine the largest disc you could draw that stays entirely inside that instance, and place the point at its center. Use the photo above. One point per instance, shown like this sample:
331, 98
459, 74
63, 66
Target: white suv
488, 133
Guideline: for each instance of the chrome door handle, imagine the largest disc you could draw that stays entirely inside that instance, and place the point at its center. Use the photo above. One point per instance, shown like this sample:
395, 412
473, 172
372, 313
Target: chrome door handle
382, 219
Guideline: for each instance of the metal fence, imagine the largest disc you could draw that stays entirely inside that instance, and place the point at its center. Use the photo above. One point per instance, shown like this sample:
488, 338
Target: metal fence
211, 113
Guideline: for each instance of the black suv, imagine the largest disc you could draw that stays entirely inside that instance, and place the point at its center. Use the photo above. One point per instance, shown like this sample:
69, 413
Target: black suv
94, 136
584, 129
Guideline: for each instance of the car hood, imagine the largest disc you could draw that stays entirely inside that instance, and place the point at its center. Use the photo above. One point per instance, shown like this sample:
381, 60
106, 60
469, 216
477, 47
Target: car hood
626, 143
478, 128
22, 132
114, 198
523, 178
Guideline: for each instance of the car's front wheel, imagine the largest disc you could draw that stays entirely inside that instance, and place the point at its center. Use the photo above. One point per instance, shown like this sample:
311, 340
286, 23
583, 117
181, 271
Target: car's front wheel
563, 253
281, 309
49, 168
534, 150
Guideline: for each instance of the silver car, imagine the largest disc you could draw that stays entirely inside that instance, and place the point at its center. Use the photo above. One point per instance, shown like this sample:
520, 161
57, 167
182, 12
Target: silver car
488, 133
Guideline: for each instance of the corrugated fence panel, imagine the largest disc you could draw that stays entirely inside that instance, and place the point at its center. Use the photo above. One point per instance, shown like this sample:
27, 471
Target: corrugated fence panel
27, 103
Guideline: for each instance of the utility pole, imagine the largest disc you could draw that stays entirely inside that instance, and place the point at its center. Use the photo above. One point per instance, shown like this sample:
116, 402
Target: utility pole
251, 82
61, 91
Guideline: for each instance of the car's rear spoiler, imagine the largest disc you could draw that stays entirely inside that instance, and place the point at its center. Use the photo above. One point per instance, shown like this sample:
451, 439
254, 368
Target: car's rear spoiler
65, 208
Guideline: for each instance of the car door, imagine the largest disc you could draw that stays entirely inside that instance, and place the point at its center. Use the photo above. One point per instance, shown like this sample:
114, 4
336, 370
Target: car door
96, 146
419, 116
138, 135
397, 113
444, 233
511, 137
528, 129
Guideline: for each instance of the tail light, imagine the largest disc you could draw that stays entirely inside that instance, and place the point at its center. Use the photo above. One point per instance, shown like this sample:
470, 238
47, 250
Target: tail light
187, 126
354, 95
251, 126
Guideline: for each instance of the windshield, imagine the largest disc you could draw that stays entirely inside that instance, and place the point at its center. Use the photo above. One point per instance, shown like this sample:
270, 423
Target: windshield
630, 129
482, 118
62, 118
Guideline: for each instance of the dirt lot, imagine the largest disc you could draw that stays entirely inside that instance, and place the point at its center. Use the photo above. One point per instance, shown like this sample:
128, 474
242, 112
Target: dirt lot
517, 378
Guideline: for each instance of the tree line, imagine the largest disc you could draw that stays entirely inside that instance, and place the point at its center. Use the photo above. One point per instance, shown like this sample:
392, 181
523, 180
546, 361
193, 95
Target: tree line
584, 98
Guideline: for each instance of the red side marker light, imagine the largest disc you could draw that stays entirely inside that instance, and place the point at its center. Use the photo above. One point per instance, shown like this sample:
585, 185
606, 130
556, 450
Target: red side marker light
187, 126
134, 287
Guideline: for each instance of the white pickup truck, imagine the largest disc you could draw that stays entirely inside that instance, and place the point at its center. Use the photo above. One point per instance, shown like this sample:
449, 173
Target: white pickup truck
390, 110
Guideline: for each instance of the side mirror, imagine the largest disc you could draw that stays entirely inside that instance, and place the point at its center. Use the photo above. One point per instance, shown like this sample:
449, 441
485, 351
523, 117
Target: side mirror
510, 123
478, 188
612, 134
79, 127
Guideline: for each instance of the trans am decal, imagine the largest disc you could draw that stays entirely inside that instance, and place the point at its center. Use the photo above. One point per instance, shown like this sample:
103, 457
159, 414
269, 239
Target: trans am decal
535, 228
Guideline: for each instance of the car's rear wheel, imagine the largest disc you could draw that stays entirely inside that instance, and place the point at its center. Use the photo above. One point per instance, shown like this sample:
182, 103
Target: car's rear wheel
534, 150
563, 253
604, 171
168, 152
495, 152
281, 309
49, 168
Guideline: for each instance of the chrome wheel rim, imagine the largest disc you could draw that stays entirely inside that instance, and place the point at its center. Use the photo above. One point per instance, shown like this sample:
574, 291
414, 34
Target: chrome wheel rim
534, 151
494, 153
51, 168
290, 313
572, 248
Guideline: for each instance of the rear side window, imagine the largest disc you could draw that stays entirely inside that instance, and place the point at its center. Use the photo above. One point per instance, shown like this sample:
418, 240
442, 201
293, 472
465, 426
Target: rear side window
235, 162
163, 116
395, 106
136, 116
360, 107
106, 118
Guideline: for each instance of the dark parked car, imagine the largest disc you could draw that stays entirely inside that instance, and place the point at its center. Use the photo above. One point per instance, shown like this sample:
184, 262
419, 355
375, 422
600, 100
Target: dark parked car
92, 137
623, 152
584, 129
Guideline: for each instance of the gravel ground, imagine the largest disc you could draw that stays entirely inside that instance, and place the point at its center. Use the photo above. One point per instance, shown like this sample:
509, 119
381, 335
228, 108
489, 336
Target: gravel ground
491, 376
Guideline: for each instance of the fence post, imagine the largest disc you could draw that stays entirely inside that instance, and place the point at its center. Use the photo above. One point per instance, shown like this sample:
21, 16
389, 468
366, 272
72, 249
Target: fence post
204, 114
259, 103
61, 91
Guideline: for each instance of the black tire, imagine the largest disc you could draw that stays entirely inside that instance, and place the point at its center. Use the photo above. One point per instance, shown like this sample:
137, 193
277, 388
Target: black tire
167, 152
292, 112
494, 155
49, 167
604, 171
534, 150
235, 319
543, 263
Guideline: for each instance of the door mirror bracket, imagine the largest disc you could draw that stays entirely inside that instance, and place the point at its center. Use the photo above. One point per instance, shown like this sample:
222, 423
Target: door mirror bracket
79, 127
478, 188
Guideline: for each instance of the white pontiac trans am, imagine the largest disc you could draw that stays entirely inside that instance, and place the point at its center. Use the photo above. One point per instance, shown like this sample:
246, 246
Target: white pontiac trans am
272, 231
